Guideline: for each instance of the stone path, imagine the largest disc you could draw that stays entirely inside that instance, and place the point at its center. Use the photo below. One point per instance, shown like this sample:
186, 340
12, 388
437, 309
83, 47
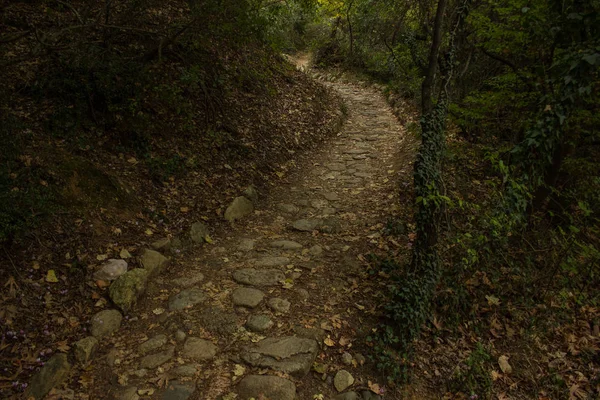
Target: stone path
277, 305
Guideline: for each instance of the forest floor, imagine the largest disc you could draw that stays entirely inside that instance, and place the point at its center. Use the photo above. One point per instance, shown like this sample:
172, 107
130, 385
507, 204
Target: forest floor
286, 292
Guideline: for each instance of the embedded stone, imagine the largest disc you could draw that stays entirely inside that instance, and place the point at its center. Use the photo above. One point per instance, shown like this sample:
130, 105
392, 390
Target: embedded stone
288, 354
199, 232
153, 262
265, 386
156, 360
247, 297
85, 349
111, 270
152, 344
272, 261
343, 380
186, 299
105, 323
279, 305
258, 277
54, 372
199, 349
239, 208
259, 323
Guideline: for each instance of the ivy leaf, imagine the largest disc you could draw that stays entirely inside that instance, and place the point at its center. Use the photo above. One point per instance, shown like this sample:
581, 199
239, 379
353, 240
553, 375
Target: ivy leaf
592, 59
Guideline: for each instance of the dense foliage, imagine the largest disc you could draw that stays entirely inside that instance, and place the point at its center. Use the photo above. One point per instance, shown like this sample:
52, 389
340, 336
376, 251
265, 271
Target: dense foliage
518, 185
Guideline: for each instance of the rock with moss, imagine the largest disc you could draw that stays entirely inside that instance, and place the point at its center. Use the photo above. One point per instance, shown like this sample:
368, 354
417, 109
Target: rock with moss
128, 288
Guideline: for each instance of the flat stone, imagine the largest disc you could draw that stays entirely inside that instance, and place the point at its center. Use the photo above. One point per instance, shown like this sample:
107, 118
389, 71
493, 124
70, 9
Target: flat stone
279, 305
186, 299
155, 360
331, 196
189, 281
271, 261
199, 349
153, 262
363, 175
105, 323
306, 225
246, 244
239, 208
152, 344
178, 391
265, 386
85, 349
360, 358
368, 395
286, 245
329, 211
258, 277
343, 380
128, 288
111, 270
127, 393
316, 250
288, 354
199, 232
259, 323
140, 373
288, 208
187, 370
54, 372
218, 321
247, 297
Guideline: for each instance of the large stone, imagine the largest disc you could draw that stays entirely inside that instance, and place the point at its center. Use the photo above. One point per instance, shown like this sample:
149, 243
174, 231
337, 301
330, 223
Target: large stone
251, 193
199, 232
288, 354
239, 208
316, 250
279, 305
53, 373
264, 386
258, 277
331, 196
199, 349
259, 323
330, 225
186, 299
111, 270
128, 288
306, 225
105, 323
153, 262
271, 261
153, 343
247, 297
178, 391
343, 380
85, 348
156, 360
286, 245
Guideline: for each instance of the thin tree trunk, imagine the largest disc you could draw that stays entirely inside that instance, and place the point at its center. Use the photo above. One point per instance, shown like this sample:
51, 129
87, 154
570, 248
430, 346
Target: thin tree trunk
428, 82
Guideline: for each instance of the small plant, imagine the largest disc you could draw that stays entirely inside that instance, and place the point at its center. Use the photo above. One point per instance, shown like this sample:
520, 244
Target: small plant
473, 376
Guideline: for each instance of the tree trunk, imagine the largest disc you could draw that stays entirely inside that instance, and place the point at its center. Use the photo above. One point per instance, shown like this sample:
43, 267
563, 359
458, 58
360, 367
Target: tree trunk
428, 82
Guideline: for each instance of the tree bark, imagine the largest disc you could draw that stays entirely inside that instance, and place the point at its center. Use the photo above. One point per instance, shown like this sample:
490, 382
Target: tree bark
427, 87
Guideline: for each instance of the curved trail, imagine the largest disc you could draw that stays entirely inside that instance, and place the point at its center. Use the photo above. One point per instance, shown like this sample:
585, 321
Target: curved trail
298, 305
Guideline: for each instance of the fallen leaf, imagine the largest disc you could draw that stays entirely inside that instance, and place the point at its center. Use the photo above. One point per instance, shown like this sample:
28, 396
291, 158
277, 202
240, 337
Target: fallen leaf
51, 276
63, 346
125, 254
493, 300
238, 370
329, 342
504, 365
